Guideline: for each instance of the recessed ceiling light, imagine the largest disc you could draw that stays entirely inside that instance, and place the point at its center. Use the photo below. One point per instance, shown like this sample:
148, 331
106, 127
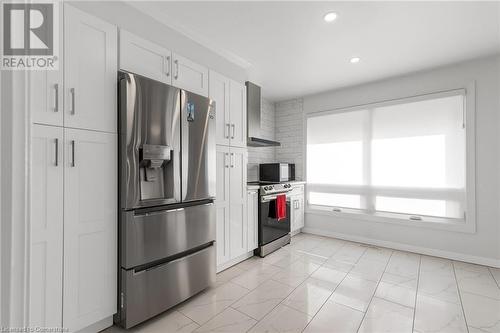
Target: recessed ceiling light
330, 17
354, 60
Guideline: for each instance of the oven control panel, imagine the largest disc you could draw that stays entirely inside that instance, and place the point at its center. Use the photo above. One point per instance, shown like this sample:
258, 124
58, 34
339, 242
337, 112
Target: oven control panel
275, 188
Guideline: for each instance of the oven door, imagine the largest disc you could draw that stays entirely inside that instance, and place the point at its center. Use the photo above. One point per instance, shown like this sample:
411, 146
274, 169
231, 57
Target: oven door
270, 228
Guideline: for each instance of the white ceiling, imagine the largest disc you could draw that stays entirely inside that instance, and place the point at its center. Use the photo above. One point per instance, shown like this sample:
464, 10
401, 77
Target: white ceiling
290, 51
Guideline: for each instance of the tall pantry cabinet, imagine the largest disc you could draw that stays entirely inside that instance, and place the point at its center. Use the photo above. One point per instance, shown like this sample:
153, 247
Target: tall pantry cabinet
73, 179
232, 159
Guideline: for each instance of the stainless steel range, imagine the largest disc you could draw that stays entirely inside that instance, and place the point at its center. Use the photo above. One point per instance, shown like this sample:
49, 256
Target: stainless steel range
167, 187
274, 233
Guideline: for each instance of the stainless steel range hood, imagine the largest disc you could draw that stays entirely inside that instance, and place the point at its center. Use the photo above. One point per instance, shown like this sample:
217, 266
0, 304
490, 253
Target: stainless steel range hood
254, 134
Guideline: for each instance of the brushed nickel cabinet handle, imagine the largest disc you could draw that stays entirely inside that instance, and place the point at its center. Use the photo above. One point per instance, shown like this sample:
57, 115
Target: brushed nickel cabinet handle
56, 142
72, 92
227, 131
225, 160
73, 153
176, 69
56, 94
166, 64
233, 127
232, 160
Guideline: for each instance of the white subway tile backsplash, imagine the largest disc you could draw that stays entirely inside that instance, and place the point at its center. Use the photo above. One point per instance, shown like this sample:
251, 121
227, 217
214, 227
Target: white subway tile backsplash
289, 131
282, 122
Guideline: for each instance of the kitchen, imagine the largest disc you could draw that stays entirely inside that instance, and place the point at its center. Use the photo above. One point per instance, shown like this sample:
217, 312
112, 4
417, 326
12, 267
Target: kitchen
186, 170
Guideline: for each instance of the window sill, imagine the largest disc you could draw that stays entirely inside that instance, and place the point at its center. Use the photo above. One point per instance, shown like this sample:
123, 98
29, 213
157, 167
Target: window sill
448, 224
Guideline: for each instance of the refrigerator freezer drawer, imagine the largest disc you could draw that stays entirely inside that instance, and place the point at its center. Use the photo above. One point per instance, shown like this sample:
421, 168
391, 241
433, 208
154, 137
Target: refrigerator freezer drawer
149, 237
150, 292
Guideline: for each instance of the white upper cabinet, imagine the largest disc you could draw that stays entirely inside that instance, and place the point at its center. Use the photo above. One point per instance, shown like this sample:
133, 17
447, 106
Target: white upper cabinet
46, 90
46, 97
90, 71
230, 99
90, 227
189, 75
218, 90
46, 252
237, 107
140, 56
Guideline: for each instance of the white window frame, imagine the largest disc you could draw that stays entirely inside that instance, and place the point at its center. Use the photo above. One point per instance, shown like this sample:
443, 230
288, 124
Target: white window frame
466, 224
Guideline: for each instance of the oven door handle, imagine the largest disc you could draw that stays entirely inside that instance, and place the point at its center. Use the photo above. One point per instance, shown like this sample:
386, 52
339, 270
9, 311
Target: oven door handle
273, 197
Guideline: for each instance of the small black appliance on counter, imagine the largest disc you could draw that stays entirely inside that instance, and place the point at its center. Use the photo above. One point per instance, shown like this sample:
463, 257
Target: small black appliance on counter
276, 172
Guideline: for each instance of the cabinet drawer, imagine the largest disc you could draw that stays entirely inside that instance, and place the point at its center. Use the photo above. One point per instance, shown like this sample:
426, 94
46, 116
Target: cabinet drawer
164, 286
157, 235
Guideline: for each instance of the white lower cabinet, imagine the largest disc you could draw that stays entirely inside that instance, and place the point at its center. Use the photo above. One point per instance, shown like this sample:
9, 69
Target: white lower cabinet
297, 208
90, 227
73, 257
46, 252
252, 218
222, 205
237, 201
231, 203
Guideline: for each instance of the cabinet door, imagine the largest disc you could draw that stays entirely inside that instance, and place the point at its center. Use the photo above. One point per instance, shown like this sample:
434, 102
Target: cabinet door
293, 213
46, 258
252, 209
238, 107
189, 75
238, 202
45, 97
143, 57
218, 90
90, 71
46, 89
90, 227
222, 205
300, 213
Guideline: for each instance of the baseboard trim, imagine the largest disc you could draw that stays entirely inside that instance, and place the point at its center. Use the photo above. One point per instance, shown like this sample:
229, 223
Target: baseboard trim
101, 325
234, 261
404, 247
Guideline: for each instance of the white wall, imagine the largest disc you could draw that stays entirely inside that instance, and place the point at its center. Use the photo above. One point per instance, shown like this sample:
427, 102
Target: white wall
127, 17
482, 246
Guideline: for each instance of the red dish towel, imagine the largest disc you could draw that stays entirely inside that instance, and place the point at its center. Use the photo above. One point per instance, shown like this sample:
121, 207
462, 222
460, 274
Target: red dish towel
281, 207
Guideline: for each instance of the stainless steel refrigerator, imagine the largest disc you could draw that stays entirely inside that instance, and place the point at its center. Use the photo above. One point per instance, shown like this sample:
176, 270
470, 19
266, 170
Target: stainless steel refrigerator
166, 188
